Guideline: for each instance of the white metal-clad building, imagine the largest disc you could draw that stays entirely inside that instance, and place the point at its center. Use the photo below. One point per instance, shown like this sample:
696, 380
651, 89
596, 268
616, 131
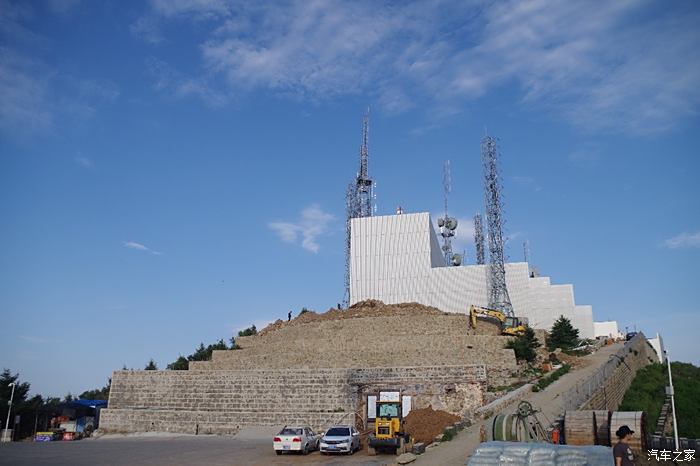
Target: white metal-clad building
607, 329
397, 259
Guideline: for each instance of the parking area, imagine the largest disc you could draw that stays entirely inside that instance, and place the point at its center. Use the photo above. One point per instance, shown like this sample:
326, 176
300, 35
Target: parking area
252, 447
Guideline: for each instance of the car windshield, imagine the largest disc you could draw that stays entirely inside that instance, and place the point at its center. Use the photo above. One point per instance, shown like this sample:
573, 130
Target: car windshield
338, 432
388, 410
290, 431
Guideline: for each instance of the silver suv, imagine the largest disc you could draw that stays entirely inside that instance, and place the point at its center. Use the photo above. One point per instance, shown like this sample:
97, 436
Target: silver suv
340, 439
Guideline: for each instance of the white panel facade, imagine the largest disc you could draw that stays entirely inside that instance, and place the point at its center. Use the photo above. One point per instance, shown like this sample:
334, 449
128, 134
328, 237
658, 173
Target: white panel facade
658, 345
607, 329
397, 259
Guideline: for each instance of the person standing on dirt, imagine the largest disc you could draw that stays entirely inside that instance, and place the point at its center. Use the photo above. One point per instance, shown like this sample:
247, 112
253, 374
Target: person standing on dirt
622, 451
289, 316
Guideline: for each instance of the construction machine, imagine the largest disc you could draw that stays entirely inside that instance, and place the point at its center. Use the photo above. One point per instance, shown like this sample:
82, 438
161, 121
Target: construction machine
388, 430
512, 326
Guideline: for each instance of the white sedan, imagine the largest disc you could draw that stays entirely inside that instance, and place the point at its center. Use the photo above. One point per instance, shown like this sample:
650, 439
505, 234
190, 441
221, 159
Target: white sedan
295, 439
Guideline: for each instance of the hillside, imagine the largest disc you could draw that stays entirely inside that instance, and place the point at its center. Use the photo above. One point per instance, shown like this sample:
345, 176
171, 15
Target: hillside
647, 393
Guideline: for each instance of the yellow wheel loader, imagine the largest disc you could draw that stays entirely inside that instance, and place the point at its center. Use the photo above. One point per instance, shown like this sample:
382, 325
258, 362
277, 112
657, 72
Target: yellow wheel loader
388, 431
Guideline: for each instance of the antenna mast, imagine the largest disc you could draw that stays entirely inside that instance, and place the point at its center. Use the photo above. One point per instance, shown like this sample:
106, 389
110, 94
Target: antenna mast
448, 224
498, 292
526, 251
479, 241
358, 199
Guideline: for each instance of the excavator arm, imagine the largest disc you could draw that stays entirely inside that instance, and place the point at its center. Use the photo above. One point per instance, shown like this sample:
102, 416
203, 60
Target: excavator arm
474, 311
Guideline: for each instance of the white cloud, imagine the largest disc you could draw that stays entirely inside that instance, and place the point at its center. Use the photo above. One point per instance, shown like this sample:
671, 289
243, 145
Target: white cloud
527, 182
615, 65
148, 29
63, 6
171, 81
684, 240
23, 93
32, 339
85, 162
139, 247
35, 95
314, 222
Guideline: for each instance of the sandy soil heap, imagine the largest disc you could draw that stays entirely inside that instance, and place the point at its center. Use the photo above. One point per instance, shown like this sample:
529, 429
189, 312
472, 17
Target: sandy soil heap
425, 424
369, 308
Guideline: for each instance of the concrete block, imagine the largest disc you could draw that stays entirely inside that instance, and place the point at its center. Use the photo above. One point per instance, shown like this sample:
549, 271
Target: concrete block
418, 448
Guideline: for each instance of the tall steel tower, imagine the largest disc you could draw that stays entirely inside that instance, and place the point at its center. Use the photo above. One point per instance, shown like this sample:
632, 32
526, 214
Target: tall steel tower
479, 239
498, 292
359, 200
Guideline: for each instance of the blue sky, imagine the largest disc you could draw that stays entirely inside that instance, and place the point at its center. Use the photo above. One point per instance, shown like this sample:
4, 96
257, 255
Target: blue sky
174, 171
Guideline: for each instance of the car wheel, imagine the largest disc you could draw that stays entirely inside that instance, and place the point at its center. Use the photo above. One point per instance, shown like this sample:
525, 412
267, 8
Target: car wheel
278, 452
306, 450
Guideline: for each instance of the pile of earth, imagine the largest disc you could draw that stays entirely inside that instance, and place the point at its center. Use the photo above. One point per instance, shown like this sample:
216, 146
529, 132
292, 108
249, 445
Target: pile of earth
425, 424
368, 308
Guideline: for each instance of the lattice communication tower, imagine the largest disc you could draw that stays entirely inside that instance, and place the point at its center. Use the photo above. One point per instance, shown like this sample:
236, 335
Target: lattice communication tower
498, 292
359, 200
479, 241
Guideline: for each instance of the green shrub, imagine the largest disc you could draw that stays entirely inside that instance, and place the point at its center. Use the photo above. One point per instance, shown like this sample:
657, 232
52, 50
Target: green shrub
551, 378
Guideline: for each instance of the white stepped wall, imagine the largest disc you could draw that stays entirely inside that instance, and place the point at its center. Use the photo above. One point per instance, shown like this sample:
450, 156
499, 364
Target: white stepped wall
397, 259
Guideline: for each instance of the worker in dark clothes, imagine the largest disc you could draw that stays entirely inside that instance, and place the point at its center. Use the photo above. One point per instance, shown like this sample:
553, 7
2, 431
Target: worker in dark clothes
289, 316
622, 451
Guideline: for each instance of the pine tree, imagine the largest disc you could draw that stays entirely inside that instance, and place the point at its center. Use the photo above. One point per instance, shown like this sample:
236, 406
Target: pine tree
524, 345
563, 335
151, 366
180, 364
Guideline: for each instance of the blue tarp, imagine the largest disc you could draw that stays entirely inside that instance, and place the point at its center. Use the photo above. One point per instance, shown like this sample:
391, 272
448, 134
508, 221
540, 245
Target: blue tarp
87, 404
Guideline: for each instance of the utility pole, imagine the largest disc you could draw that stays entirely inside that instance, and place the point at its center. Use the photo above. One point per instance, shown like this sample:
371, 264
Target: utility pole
669, 391
9, 411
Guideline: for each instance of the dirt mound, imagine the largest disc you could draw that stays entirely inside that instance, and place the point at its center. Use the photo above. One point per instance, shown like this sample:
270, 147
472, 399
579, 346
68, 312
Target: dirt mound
369, 308
425, 424
575, 362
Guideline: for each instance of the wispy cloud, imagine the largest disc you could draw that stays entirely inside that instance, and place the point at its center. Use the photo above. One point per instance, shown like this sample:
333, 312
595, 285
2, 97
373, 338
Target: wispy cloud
33, 339
684, 240
63, 6
171, 81
139, 247
617, 65
148, 29
36, 95
85, 162
314, 223
527, 182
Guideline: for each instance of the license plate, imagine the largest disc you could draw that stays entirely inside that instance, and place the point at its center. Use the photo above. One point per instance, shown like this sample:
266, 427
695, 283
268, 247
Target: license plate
332, 448
285, 447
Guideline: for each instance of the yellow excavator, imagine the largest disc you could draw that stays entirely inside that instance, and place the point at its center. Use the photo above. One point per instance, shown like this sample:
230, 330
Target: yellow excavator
512, 326
388, 430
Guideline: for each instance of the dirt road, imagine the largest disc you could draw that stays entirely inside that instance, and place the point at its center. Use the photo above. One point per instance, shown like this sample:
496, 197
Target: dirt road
457, 451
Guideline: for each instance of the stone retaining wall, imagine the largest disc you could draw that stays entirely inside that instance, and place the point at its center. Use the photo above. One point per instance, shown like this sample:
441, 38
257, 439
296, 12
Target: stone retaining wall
606, 387
223, 401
